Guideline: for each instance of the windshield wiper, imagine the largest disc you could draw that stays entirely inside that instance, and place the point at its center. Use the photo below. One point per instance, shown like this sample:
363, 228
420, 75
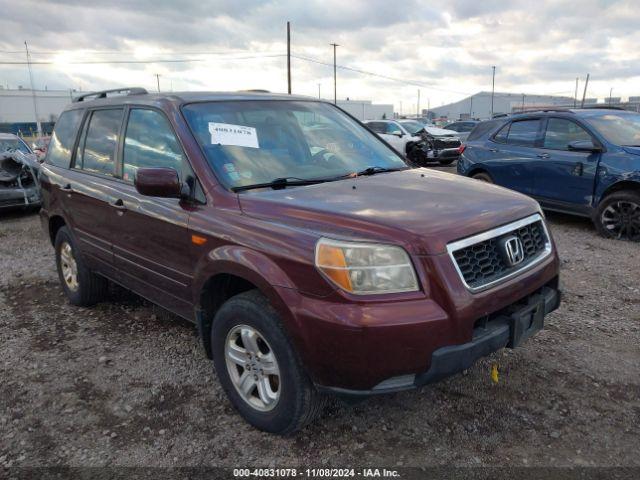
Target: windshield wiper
280, 183
376, 169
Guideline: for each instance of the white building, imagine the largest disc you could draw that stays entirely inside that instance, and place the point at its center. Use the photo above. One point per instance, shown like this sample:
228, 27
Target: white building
479, 104
16, 106
366, 110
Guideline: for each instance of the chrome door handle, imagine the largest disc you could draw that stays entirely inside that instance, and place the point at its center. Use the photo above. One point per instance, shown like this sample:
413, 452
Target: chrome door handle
543, 155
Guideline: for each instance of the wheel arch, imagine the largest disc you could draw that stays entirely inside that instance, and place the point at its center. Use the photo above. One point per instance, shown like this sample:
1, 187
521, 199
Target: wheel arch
622, 185
229, 271
56, 222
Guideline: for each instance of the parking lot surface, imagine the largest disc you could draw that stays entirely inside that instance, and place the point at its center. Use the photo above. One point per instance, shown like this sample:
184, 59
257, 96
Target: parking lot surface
126, 383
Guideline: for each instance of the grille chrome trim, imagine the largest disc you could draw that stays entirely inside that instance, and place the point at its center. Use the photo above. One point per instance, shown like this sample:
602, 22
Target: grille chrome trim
496, 232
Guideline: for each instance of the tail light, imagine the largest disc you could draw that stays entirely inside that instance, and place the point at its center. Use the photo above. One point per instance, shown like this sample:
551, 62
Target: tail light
462, 148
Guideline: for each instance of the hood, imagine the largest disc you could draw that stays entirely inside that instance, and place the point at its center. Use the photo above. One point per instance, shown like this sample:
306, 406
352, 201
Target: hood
632, 150
420, 209
438, 132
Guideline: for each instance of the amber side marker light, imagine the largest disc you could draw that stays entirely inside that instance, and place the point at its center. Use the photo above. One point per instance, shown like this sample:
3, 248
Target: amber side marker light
334, 265
198, 240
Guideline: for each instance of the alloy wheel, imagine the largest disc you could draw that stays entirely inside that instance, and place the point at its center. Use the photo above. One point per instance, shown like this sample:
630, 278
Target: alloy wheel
621, 220
69, 266
253, 368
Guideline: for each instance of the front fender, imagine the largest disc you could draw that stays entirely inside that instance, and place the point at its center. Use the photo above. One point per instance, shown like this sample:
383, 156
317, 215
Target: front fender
259, 270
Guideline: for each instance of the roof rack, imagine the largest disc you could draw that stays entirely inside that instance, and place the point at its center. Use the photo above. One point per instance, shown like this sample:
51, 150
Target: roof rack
103, 93
603, 107
255, 90
537, 110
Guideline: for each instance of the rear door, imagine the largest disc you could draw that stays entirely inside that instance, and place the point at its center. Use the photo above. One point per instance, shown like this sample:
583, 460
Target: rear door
88, 190
564, 179
152, 249
511, 154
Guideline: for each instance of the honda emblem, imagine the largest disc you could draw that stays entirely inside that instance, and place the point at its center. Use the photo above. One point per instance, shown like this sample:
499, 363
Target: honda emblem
513, 250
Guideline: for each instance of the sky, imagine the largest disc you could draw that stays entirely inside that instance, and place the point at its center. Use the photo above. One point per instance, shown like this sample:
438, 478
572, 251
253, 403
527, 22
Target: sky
444, 49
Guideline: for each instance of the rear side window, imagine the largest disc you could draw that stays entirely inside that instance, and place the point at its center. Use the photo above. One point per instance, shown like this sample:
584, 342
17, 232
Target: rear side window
378, 127
63, 138
150, 142
560, 133
101, 141
483, 128
523, 133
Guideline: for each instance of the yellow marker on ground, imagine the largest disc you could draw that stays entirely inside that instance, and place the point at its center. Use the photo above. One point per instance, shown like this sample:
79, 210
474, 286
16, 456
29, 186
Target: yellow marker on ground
494, 373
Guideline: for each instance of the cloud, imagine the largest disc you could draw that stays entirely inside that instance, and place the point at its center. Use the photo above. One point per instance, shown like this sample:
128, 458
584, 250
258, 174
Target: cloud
446, 48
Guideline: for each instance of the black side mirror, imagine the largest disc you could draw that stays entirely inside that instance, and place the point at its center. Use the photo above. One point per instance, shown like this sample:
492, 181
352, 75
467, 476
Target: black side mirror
398, 134
583, 146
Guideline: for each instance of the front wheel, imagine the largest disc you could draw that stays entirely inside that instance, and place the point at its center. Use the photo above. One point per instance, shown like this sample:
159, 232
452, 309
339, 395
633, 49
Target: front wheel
259, 369
618, 216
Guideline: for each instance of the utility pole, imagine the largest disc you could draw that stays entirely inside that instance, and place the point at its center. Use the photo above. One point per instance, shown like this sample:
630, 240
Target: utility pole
428, 107
289, 57
523, 102
471, 107
610, 92
33, 92
584, 94
335, 82
493, 87
418, 105
158, 81
319, 97
575, 96
400, 107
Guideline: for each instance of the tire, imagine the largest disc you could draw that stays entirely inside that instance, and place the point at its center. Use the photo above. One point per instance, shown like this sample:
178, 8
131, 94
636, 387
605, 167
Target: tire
83, 287
298, 402
446, 161
483, 177
618, 216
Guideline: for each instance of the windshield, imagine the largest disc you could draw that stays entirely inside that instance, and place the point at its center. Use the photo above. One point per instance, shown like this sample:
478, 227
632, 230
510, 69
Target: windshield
412, 127
13, 144
618, 128
254, 142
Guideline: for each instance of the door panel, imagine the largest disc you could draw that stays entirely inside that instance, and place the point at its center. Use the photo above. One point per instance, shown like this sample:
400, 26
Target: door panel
563, 176
87, 190
152, 250
511, 155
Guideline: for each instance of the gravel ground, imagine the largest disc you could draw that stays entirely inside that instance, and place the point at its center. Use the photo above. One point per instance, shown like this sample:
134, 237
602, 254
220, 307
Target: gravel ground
126, 383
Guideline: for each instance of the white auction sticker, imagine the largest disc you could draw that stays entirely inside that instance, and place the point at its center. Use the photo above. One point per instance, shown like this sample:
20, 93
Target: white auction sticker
237, 135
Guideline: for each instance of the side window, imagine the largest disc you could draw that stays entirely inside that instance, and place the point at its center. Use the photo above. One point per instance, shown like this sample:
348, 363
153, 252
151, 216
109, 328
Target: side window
502, 134
101, 141
378, 127
454, 126
63, 138
560, 133
150, 142
392, 128
523, 133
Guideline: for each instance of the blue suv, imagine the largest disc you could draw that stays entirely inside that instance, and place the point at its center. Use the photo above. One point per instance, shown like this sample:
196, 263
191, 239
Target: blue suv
583, 161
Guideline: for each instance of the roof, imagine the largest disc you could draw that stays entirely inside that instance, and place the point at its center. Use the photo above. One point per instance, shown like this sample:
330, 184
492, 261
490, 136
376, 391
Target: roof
581, 112
137, 97
8, 136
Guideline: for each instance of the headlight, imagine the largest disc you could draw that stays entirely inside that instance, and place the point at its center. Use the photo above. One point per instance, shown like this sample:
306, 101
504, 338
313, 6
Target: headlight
366, 268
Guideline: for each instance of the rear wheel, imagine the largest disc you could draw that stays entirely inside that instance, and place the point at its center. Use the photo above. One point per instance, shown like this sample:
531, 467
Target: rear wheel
618, 216
483, 177
81, 285
259, 369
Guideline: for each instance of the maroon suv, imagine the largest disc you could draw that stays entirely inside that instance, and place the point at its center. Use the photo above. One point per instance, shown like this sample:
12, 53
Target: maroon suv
312, 257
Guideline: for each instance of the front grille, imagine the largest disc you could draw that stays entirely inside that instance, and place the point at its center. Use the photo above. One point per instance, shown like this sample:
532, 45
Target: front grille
483, 262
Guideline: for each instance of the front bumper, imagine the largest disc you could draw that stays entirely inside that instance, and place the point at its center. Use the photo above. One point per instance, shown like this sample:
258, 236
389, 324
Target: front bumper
19, 197
509, 328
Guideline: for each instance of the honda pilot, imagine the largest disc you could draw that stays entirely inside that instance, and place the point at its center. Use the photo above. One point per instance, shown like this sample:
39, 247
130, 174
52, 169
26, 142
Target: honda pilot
312, 258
